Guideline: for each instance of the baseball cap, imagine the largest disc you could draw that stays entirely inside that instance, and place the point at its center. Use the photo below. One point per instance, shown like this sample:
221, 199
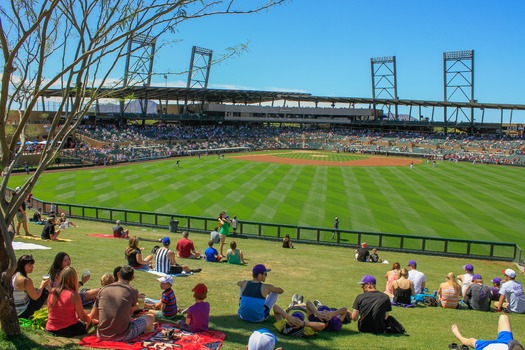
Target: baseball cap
496, 280
118, 222
262, 339
323, 308
368, 279
476, 277
299, 315
363, 244
509, 272
260, 268
468, 267
166, 279
200, 289
17, 189
166, 241
412, 263
334, 324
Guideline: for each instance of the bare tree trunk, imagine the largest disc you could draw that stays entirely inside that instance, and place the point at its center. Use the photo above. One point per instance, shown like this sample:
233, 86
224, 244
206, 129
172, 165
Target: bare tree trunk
8, 317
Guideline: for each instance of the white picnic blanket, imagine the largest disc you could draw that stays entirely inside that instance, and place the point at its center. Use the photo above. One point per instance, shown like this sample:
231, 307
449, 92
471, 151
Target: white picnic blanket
28, 246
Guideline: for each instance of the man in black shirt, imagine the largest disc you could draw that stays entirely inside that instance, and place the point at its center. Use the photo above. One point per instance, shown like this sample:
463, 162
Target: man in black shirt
371, 307
362, 254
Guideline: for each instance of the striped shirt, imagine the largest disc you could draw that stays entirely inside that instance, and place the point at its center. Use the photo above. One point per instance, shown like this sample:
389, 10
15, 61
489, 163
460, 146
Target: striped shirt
162, 262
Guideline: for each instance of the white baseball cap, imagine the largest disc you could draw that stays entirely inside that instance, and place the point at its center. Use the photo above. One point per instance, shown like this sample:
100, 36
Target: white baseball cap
509, 272
262, 339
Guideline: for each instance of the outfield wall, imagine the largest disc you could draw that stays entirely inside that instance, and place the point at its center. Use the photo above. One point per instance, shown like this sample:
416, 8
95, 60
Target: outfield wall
312, 235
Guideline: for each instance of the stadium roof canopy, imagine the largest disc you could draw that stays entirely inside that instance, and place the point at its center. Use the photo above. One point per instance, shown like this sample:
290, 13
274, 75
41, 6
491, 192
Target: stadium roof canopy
257, 97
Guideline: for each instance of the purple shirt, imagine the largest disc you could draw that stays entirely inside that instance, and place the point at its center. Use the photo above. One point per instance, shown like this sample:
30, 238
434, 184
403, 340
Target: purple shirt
199, 315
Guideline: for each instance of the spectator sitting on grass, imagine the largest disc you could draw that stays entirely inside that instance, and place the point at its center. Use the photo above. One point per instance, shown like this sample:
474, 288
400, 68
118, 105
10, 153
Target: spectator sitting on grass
27, 298
211, 254
477, 296
496, 283
119, 231
449, 292
186, 249
37, 217
235, 255
504, 337
465, 279
168, 302
214, 235
134, 255
64, 222
287, 242
257, 298
50, 230
374, 257
106, 279
371, 307
165, 260
511, 292
67, 317
199, 313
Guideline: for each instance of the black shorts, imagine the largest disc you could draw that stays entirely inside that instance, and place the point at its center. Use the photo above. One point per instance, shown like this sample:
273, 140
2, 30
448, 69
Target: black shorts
175, 270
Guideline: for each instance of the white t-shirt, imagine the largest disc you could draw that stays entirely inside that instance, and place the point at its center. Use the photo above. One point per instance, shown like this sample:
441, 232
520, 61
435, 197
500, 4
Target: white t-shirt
417, 278
513, 291
467, 279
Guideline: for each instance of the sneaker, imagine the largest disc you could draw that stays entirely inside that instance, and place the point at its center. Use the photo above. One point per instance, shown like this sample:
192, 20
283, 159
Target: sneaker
300, 299
295, 299
317, 303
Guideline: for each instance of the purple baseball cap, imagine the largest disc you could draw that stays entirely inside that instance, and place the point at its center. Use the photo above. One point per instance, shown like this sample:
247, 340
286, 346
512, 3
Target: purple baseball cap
468, 267
166, 241
323, 308
412, 263
334, 325
299, 315
477, 276
260, 268
496, 280
368, 279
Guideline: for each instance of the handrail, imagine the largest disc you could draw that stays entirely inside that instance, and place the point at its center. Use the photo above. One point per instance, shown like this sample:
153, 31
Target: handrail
452, 247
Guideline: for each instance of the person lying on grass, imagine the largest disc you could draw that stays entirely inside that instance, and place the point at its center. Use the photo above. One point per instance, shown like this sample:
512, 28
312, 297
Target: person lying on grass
295, 323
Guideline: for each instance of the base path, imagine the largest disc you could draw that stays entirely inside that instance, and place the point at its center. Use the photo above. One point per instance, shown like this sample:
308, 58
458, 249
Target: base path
370, 161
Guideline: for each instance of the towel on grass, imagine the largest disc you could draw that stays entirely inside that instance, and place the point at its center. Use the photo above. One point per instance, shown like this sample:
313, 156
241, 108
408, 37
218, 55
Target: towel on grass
104, 235
156, 273
210, 340
40, 239
28, 246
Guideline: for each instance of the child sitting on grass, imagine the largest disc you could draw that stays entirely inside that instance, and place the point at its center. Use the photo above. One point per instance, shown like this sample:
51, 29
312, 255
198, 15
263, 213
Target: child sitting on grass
106, 279
168, 302
212, 255
199, 313
235, 255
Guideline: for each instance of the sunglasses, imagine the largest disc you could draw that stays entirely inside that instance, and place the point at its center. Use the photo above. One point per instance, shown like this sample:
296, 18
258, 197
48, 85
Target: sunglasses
27, 257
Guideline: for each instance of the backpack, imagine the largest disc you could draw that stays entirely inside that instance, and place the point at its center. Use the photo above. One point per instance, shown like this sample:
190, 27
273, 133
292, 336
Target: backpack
392, 326
430, 301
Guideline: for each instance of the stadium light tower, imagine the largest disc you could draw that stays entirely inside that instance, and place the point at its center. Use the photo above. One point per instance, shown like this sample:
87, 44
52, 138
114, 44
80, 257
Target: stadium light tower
458, 83
199, 73
139, 66
384, 80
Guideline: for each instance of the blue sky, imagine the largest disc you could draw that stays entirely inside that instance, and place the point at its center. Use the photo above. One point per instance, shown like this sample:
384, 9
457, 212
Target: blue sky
324, 47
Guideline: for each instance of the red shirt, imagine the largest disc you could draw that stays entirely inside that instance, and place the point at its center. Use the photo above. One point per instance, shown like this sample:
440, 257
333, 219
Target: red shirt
185, 247
62, 314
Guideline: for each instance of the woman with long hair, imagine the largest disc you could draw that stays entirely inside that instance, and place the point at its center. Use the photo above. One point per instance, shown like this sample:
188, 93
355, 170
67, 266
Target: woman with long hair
134, 255
28, 299
63, 260
449, 292
403, 288
224, 229
67, 317
391, 276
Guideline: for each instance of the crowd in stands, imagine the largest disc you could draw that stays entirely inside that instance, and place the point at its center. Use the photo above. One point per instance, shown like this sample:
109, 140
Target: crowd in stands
132, 143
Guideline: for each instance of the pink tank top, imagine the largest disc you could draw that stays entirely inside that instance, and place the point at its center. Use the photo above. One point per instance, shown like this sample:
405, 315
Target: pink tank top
62, 314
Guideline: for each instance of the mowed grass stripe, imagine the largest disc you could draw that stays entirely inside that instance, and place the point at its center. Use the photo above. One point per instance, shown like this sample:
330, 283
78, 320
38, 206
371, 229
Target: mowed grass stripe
359, 215
459, 212
313, 206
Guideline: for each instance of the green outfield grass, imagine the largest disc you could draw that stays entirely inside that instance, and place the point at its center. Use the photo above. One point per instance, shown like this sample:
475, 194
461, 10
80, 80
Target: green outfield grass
329, 274
455, 200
